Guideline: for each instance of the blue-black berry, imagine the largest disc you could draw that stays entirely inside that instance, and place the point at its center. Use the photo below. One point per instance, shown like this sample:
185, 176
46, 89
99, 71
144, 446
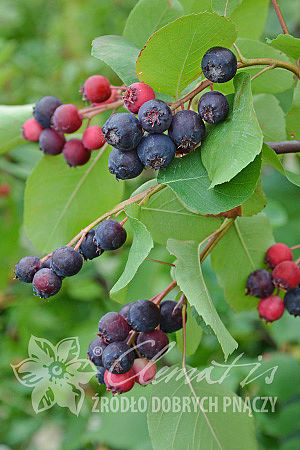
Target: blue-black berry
118, 357
219, 64
171, 316
260, 284
143, 315
95, 351
110, 235
88, 249
186, 130
100, 374
156, 151
124, 165
292, 301
44, 109
124, 311
26, 268
113, 327
123, 131
213, 107
66, 262
46, 283
155, 116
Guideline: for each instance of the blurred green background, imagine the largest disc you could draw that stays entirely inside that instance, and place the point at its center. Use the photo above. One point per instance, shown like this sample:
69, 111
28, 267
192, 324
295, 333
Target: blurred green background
45, 50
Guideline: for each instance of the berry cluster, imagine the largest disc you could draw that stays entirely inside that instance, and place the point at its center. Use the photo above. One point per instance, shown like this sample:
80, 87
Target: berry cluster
46, 275
285, 276
129, 343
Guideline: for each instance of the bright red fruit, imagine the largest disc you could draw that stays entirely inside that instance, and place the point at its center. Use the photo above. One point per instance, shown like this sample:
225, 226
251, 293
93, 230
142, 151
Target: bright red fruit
32, 130
286, 275
271, 308
278, 253
136, 95
96, 89
119, 383
66, 118
93, 138
144, 370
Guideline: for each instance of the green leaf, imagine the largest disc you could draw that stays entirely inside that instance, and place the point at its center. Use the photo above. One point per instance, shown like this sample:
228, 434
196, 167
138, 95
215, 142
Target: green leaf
270, 157
188, 273
194, 6
171, 59
220, 6
149, 16
189, 180
119, 53
60, 201
11, 121
166, 217
191, 428
293, 116
256, 203
193, 334
231, 145
139, 250
243, 247
250, 18
287, 44
270, 116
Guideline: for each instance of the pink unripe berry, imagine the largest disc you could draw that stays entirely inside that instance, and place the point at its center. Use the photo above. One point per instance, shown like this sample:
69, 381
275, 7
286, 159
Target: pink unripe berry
119, 383
93, 138
278, 253
32, 130
96, 89
144, 370
286, 275
66, 118
51, 141
136, 95
271, 308
75, 154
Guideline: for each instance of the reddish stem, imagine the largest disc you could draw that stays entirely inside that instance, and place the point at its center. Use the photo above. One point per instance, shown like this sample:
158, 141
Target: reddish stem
158, 298
161, 262
280, 17
295, 247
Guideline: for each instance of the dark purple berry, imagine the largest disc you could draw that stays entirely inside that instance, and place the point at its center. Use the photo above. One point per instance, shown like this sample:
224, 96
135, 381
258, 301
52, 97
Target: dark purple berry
95, 351
219, 64
88, 249
186, 130
75, 154
67, 119
124, 165
156, 151
152, 344
155, 116
123, 131
26, 268
143, 315
113, 327
66, 262
213, 107
51, 142
118, 357
46, 283
292, 301
100, 374
171, 316
44, 109
259, 284
46, 264
125, 310
110, 235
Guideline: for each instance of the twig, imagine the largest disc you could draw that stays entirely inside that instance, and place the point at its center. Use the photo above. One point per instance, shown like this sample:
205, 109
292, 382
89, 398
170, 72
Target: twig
280, 17
295, 247
265, 69
158, 298
226, 6
282, 147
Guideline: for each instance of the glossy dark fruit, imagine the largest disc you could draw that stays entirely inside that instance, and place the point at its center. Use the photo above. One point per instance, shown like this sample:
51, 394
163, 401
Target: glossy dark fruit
119, 383
67, 119
124, 165
152, 344
219, 64
113, 327
125, 310
66, 262
271, 308
278, 253
26, 268
186, 130
95, 351
51, 142
259, 284
75, 153
118, 357
292, 301
171, 316
44, 110
88, 249
156, 151
143, 315
110, 235
100, 374
286, 275
123, 131
96, 89
46, 283
136, 95
31, 130
155, 116
93, 138
213, 107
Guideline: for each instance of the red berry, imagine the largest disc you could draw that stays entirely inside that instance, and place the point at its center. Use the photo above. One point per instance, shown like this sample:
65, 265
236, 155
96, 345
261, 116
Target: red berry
66, 118
96, 89
5, 189
136, 95
32, 130
278, 253
93, 138
144, 370
119, 383
271, 308
51, 141
286, 275
75, 154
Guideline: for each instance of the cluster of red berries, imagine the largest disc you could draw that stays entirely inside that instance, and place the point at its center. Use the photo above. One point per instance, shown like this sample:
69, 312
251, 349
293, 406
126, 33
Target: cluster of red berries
128, 343
285, 276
